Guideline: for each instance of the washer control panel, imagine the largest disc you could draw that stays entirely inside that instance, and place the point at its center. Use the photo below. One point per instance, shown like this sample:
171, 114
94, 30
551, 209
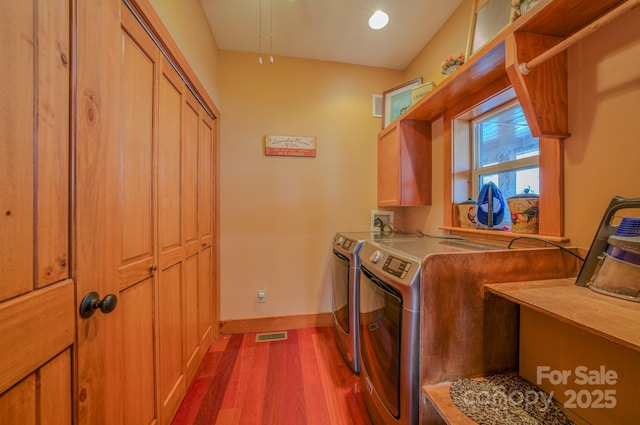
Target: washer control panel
396, 266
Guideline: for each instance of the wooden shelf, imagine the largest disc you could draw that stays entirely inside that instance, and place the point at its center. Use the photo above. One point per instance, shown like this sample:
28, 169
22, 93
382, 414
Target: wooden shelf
546, 24
562, 18
611, 318
440, 397
502, 236
486, 67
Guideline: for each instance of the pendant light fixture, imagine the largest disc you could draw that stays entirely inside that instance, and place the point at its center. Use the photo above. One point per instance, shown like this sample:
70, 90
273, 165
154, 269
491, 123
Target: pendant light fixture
378, 20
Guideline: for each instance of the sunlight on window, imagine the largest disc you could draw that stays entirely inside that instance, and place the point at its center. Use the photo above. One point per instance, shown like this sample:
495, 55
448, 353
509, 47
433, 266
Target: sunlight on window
506, 153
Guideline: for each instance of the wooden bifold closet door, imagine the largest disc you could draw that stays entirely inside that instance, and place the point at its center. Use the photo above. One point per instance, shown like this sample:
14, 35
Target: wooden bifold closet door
137, 221
37, 314
106, 163
166, 218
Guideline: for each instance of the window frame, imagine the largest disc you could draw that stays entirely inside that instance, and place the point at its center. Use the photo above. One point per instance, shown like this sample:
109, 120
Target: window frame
457, 167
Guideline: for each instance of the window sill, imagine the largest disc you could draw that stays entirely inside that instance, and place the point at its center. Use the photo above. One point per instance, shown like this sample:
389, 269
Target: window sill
503, 236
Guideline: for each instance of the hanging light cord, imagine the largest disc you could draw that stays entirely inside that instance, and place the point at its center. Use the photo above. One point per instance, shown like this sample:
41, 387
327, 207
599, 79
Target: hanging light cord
271, 31
260, 35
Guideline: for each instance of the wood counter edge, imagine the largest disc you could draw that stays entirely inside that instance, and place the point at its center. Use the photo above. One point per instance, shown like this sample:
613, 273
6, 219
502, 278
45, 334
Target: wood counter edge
603, 315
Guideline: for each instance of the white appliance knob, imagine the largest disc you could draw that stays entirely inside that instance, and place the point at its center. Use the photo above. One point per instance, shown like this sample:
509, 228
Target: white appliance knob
375, 256
340, 241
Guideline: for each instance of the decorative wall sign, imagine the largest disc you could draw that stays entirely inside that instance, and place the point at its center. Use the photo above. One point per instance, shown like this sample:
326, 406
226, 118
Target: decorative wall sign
289, 146
419, 92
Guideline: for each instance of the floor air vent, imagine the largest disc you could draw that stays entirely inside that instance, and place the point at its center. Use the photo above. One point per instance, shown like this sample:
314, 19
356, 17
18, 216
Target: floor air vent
271, 336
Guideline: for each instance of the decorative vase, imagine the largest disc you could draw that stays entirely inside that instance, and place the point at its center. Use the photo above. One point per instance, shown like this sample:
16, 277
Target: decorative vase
527, 5
450, 69
467, 212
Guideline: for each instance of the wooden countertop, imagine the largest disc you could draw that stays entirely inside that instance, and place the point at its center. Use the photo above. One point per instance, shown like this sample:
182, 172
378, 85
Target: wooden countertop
614, 319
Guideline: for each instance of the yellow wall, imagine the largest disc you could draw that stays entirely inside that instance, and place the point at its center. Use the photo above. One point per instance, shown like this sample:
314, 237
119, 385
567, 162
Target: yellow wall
279, 214
188, 25
602, 156
450, 40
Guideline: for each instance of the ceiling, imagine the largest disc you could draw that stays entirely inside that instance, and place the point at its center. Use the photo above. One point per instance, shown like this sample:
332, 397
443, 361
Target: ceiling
329, 30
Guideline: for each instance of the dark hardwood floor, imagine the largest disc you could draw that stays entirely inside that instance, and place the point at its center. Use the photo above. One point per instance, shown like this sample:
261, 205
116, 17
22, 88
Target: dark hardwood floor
300, 380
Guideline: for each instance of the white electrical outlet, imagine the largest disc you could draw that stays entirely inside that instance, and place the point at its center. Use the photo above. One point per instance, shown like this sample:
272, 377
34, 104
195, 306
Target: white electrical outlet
385, 216
262, 296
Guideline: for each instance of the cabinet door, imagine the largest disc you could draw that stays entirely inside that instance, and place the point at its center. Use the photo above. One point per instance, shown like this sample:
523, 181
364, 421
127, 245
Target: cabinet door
206, 290
190, 132
37, 312
197, 205
137, 247
389, 167
171, 269
96, 173
404, 164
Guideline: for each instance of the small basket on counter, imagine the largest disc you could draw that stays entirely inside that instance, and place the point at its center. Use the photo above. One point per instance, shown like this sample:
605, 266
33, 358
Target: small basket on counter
524, 212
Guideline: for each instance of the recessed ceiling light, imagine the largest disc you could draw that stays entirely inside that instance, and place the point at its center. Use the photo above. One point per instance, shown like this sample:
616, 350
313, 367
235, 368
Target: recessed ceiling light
378, 20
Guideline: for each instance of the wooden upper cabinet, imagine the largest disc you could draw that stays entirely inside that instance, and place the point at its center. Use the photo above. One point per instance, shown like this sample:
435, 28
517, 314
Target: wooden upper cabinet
404, 164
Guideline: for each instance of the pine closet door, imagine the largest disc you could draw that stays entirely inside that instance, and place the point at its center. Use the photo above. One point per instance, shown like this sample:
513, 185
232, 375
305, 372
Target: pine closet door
137, 221
37, 313
165, 228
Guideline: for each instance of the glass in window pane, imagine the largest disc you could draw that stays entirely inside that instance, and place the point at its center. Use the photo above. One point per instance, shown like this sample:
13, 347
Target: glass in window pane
514, 182
504, 137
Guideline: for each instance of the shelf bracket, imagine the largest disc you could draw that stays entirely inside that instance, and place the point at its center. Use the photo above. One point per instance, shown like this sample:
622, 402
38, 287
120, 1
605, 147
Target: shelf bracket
543, 94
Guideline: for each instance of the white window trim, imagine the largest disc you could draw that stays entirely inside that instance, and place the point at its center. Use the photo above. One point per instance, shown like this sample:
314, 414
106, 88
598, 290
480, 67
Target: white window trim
516, 164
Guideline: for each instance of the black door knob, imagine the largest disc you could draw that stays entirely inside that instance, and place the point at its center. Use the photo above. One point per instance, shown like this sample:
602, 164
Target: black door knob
91, 302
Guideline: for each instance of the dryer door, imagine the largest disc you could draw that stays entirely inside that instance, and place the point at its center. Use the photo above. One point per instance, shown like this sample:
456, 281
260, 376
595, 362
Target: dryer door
341, 284
380, 326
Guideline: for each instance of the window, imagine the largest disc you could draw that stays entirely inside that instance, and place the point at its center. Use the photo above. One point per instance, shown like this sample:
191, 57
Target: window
491, 141
505, 152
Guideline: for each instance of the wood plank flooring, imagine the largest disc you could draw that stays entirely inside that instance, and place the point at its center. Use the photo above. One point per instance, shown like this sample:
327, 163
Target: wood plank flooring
301, 380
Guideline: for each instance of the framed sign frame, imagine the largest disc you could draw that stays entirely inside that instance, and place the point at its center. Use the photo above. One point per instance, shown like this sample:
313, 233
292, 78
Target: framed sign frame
488, 18
397, 100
